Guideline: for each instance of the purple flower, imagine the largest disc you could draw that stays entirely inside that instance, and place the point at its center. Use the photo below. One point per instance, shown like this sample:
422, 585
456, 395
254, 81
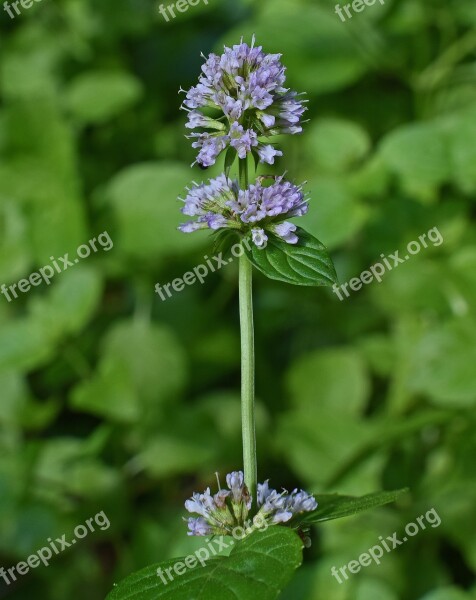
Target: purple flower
286, 232
235, 481
242, 140
220, 204
259, 237
198, 527
301, 502
247, 86
267, 154
227, 510
281, 507
210, 147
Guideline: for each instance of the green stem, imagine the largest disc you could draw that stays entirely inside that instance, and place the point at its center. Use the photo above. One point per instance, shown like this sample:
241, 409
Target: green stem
247, 363
243, 167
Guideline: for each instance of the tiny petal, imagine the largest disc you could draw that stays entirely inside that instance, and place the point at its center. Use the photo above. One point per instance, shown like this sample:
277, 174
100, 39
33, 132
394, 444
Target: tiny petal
198, 526
235, 482
215, 221
286, 232
268, 153
282, 516
242, 140
267, 119
190, 226
259, 237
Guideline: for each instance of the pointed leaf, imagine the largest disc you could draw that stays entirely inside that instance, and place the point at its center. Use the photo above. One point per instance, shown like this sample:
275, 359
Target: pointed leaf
334, 506
257, 568
304, 263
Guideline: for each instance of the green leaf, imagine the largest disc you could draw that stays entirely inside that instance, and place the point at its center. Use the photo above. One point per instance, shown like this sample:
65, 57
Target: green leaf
336, 145
70, 303
257, 568
319, 375
224, 240
442, 365
418, 155
24, 345
334, 506
97, 96
144, 195
306, 263
141, 367
334, 201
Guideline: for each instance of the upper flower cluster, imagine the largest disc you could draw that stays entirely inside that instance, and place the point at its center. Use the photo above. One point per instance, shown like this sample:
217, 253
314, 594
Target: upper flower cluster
247, 86
259, 208
228, 509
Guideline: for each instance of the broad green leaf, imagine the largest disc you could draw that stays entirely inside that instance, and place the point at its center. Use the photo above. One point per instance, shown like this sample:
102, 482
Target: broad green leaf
97, 96
335, 145
306, 263
109, 393
142, 366
418, 154
70, 302
316, 381
24, 345
443, 364
29, 74
154, 357
334, 506
335, 212
144, 198
257, 569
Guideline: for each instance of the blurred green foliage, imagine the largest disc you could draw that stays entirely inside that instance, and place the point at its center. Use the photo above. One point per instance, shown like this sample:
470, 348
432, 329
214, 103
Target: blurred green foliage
113, 400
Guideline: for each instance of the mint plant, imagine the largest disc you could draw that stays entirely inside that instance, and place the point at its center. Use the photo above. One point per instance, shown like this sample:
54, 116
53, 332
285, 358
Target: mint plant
240, 103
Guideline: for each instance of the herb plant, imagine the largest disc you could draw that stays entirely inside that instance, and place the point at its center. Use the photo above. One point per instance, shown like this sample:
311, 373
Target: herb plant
240, 103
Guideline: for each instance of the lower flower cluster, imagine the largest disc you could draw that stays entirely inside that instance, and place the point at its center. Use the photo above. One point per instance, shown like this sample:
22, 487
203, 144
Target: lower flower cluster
221, 513
221, 204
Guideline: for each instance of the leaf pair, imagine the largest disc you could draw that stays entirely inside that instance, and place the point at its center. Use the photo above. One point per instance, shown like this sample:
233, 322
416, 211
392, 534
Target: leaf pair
258, 568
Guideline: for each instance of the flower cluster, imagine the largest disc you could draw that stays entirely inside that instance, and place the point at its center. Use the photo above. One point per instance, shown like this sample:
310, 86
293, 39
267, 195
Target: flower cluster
222, 204
221, 513
246, 86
